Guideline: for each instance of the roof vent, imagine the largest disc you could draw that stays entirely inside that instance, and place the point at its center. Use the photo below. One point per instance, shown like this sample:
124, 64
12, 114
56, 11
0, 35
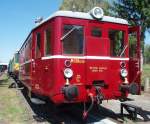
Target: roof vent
38, 20
97, 13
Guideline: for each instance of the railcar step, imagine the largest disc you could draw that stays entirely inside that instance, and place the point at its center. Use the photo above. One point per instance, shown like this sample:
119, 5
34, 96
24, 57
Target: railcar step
37, 101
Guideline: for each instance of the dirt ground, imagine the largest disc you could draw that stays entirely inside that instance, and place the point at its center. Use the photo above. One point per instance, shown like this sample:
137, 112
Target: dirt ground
12, 110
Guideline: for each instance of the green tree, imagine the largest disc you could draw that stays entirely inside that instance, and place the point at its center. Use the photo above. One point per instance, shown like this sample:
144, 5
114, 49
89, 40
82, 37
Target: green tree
84, 5
136, 12
147, 54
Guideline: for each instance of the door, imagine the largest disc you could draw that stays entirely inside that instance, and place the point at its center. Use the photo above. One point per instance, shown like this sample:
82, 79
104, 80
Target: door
96, 50
36, 59
134, 56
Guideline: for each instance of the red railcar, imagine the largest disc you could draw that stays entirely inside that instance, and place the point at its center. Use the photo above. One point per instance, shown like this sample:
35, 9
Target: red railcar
75, 57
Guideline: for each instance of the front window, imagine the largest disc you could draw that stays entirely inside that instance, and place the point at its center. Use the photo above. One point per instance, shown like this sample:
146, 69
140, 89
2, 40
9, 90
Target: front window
72, 39
96, 32
117, 47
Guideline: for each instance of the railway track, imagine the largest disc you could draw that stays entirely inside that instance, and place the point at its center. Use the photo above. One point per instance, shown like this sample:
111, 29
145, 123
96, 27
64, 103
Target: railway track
48, 113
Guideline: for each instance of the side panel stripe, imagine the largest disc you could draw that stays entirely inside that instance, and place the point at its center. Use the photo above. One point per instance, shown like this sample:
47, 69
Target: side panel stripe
83, 57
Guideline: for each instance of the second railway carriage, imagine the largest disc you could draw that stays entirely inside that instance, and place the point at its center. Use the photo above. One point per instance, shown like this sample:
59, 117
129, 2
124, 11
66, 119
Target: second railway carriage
78, 57
13, 66
3, 67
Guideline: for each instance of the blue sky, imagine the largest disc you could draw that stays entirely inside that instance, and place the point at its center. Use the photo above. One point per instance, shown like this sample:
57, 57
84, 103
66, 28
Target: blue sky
147, 38
17, 19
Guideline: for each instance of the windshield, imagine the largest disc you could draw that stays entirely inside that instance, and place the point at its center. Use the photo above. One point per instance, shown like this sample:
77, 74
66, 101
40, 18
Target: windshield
72, 39
117, 47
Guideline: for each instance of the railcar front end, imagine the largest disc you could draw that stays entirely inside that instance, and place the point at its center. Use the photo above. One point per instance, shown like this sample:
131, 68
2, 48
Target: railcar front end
82, 57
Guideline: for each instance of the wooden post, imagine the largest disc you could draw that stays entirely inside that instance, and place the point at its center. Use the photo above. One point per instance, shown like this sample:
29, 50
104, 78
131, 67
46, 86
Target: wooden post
142, 61
147, 85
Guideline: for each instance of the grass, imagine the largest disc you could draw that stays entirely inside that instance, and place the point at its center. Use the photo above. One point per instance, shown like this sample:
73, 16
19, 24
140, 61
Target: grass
146, 72
11, 109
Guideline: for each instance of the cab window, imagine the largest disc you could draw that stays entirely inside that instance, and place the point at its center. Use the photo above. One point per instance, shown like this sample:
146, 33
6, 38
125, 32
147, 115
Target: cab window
72, 39
116, 38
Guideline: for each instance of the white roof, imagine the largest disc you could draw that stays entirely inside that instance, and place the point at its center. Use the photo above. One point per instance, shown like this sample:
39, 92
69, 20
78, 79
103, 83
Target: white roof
82, 15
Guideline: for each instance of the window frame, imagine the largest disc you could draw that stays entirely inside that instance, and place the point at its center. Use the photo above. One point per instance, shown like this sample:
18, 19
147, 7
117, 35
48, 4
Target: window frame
96, 27
49, 28
125, 42
62, 33
38, 33
28, 48
133, 53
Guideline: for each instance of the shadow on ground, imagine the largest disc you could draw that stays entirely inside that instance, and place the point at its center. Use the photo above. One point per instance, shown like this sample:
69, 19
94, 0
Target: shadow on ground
144, 116
68, 115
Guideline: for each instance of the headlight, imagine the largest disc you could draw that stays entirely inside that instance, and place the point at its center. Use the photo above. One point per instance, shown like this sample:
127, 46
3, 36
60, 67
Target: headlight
67, 63
122, 64
124, 72
97, 12
68, 73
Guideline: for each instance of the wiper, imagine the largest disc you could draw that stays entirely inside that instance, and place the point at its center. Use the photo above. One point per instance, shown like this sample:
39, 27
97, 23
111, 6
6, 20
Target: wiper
65, 35
123, 50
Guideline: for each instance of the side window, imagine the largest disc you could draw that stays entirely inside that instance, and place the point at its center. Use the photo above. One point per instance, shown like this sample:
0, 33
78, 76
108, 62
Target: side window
116, 42
47, 45
96, 32
28, 49
17, 57
133, 45
72, 39
38, 45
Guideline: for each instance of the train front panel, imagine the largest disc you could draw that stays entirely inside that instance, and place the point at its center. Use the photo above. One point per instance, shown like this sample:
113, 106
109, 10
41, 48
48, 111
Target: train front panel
76, 59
